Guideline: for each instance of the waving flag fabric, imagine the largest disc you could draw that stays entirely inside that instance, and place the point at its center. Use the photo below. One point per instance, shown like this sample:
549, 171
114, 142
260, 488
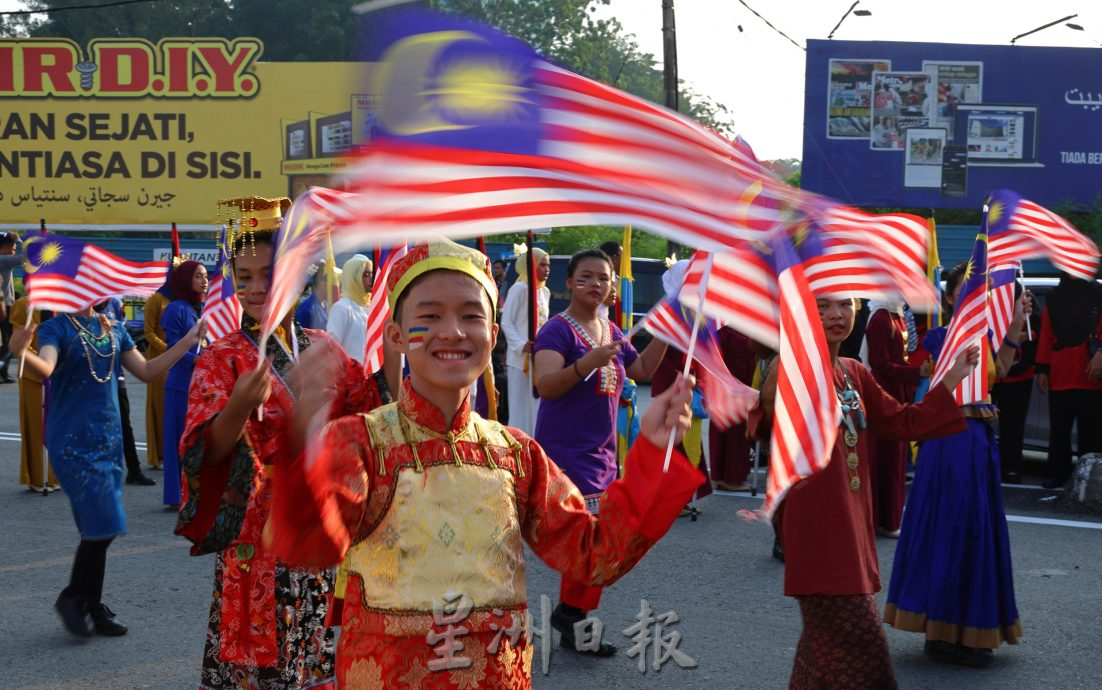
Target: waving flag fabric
301, 241
872, 256
67, 275
860, 255
728, 400
969, 326
378, 311
479, 135
1000, 305
1021, 229
222, 310
807, 413
742, 291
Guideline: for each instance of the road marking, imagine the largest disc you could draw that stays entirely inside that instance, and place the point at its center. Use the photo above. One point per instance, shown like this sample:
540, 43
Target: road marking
10, 436
1053, 521
115, 553
1084, 524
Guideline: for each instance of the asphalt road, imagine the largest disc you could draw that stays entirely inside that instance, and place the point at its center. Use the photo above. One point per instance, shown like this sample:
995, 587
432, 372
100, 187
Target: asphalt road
716, 574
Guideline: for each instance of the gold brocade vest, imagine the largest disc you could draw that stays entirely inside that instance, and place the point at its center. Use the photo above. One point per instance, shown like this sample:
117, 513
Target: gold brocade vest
451, 524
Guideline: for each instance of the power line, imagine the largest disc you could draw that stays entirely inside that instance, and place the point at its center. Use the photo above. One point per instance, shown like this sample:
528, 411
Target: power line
767, 23
115, 3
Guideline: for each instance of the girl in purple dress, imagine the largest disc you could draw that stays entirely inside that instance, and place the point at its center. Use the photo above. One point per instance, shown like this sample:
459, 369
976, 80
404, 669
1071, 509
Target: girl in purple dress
581, 362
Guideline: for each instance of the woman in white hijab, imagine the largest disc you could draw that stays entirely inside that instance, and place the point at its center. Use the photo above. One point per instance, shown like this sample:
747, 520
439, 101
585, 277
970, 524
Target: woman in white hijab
348, 317
523, 405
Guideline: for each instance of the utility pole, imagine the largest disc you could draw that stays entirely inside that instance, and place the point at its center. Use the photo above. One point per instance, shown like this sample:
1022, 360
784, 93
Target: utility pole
669, 71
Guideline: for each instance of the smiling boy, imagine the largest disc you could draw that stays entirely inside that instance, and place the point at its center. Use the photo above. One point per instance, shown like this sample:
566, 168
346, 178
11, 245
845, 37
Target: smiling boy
429, 504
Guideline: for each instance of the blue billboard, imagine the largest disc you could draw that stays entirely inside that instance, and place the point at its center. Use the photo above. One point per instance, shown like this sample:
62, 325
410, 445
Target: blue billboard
938, 125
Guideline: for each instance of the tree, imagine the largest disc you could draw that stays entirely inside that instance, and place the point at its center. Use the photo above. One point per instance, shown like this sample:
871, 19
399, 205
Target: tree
149, 21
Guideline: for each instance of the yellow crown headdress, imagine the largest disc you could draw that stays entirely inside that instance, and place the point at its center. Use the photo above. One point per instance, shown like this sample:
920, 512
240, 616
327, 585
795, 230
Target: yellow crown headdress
245, 217
179, 259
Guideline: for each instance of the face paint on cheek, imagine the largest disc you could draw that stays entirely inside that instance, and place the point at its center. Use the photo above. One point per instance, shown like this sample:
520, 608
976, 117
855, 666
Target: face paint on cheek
415, 336
240, 289
580, 282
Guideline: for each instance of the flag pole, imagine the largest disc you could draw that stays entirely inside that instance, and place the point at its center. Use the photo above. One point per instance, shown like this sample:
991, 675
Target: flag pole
30, 308
692, 346
533, 315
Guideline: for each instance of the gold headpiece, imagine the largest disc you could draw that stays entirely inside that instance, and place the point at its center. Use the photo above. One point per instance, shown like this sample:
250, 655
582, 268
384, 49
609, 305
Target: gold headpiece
442, 254
246, 217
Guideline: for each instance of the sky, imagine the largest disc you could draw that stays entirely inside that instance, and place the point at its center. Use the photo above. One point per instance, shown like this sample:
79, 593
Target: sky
759, 75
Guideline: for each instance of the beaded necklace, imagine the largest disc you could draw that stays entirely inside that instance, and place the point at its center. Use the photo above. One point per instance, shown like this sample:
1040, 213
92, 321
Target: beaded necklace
853, 420
608, 380
91, 342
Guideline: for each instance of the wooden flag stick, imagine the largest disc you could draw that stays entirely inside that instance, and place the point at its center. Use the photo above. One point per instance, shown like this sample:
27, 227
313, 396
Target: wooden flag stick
692, 346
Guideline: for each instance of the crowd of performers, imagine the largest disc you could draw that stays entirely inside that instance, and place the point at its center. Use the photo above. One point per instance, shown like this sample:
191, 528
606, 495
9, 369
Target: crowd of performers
341, 506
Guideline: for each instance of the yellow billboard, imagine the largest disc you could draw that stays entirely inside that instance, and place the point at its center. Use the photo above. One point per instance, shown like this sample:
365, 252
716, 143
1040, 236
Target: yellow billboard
128, 132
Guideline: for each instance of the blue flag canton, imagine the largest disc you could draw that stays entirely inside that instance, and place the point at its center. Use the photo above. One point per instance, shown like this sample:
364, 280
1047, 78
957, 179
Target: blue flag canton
804, 244
51, 254
449, 82
1001, 205
975, 271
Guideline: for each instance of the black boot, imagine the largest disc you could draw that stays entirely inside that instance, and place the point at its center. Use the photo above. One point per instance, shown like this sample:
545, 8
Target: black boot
105, 622
563, 619
74, 614
140, 479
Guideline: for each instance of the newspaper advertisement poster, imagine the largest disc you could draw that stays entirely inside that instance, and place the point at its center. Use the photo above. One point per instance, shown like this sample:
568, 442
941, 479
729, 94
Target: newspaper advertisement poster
923, 157
956, 83
900, 101
849, 115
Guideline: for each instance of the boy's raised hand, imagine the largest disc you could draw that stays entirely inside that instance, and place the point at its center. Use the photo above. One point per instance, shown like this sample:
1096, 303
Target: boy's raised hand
668, 412
314, 381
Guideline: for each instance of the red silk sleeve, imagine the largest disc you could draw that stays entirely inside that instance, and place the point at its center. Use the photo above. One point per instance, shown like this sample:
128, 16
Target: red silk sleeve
320, 496
635, 512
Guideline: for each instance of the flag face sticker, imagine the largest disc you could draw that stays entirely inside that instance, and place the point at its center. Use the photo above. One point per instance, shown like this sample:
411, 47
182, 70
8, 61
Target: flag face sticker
416, 336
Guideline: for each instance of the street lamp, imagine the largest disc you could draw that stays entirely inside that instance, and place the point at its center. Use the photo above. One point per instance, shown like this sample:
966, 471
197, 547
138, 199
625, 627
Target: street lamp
858, 13
1062, 20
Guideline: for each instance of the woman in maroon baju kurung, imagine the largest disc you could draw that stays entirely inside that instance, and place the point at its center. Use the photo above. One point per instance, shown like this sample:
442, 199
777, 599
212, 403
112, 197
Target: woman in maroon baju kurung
729, 449
826, 524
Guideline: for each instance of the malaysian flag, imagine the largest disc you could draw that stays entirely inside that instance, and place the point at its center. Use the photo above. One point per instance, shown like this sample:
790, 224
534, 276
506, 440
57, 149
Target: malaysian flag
222, 310
969, 326
741, 292
378, 309
301, 241
67, 275
872, 256
806, 414
727, 399
855, 254
478, 135
1000, 307
1021, 229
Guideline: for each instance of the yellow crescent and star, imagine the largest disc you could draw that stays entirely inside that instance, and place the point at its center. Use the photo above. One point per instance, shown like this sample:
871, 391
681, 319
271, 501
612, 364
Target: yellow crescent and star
418, 96
994, 212
49, 253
